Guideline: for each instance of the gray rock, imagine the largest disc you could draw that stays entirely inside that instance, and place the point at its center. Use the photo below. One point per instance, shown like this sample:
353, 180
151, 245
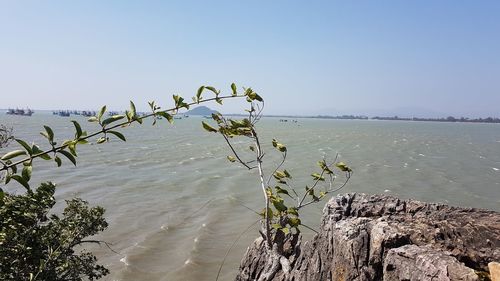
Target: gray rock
411, 262
378, 237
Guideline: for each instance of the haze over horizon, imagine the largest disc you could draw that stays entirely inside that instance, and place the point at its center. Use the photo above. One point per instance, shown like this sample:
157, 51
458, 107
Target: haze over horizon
423, 59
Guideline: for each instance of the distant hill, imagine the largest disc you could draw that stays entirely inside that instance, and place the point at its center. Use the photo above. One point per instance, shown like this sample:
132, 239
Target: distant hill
200, 110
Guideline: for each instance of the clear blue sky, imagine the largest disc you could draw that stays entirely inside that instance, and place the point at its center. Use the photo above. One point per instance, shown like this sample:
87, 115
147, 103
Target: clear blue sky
303, 57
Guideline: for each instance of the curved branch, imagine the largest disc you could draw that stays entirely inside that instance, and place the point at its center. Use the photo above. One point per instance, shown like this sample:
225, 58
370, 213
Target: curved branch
277, 168
104, 130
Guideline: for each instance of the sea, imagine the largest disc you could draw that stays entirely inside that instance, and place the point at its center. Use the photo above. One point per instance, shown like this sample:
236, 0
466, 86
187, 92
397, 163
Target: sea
178, 209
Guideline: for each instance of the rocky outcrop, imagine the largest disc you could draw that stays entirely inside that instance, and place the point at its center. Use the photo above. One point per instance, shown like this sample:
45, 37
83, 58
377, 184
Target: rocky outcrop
378, 237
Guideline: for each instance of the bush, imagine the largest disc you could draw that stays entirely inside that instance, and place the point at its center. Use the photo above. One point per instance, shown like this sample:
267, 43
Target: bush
37, 246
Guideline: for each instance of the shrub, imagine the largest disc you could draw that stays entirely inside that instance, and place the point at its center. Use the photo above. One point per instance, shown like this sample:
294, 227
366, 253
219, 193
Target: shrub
37, 246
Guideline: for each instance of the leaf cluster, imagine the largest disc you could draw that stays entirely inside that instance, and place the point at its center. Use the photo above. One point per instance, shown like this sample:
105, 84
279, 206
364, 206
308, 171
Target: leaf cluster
283, 201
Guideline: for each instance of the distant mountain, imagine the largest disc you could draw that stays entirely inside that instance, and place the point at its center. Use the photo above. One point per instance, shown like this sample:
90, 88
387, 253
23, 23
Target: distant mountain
200, 110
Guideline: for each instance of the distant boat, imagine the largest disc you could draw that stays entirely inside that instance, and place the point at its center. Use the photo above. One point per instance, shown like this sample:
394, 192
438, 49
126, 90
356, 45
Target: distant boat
88, 113
22, 112
62, 113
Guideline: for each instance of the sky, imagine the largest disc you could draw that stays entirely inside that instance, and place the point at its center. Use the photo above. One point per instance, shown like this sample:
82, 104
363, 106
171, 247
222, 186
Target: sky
410, 58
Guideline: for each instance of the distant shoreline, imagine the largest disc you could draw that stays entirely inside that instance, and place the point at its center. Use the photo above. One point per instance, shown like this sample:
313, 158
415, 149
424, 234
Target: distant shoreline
449, 119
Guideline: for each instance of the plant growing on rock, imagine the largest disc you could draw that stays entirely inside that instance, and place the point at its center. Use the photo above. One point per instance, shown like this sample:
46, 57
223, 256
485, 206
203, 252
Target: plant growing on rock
282, 200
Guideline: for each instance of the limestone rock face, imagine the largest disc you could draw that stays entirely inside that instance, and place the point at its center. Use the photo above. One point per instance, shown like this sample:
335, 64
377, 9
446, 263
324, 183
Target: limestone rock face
379, 237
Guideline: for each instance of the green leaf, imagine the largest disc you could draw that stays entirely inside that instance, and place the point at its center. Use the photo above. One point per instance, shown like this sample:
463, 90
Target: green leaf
276, 226
167, 116
322, 164
72, 148
20, 180
212, 89
254, 96
118, 134
93, 119
208, 127
280, 174
13, 154
178, 101
37, 150
198, 94
287, 174
112, 119
26, 173
279, 146
292, 211
269, 213
152, 105
58, 161
132, 111
69, 156
317, 176
2, 194
285, 230
25, 145
281, 190
78, 129
101, 140
101, 113
13, 168
233, 88
278, 204
219, 101
50, 133
294, 222
7, 177
129, 115
343, 167
231, 158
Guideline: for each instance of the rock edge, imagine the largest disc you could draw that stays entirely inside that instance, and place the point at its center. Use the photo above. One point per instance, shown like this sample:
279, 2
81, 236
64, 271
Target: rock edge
380, 237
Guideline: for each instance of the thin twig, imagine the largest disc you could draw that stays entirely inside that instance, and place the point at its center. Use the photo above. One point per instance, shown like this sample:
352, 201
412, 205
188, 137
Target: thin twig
98, 242
310, 228
236, 154
230, 248
275, 170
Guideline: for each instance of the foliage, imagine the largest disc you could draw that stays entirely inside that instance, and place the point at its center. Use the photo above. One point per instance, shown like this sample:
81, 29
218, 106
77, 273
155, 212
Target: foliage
43, 247
37, 246
11, 161
282, 200
5, 135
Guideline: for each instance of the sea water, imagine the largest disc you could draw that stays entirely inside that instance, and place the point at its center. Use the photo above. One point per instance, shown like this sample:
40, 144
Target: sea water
175, 205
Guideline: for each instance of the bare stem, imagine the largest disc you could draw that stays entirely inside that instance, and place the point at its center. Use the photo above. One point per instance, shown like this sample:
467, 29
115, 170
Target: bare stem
263, 186
236, 154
